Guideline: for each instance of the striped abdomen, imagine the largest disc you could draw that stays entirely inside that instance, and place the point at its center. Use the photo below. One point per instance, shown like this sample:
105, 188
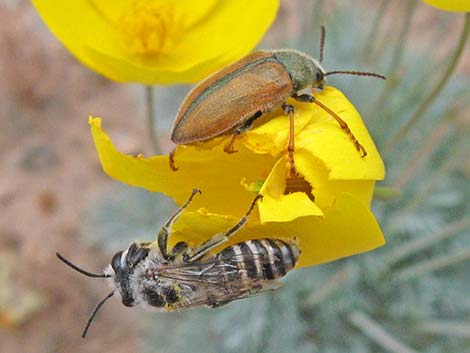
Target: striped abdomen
263, 259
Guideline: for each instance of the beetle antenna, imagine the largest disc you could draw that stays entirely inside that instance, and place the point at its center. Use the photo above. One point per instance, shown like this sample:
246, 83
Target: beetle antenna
78, 269
357, 73
95, 310
322, 41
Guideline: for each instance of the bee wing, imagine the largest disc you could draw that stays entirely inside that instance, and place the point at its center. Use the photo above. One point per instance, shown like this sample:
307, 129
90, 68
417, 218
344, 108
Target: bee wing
216, 281
219, 299
211, 272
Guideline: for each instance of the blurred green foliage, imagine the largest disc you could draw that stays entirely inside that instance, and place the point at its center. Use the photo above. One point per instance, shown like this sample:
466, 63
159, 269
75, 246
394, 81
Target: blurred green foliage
411, 295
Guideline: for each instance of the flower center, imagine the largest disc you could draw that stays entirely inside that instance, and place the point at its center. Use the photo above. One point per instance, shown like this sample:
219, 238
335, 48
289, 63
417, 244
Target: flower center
150, 27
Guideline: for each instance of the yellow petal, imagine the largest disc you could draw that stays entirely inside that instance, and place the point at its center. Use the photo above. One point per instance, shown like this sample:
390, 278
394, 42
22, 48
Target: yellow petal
271, 134
450, 5
123, 70
348, 228
228, 175
277, 207
319, 134
218, 176
326, 189
205, 35
325, 140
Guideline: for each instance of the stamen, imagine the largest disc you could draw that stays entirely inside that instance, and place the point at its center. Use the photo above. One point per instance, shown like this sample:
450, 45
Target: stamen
150, 28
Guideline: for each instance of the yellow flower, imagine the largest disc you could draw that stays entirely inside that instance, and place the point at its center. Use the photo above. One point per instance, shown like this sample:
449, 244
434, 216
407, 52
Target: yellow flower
327, 210
450, 5
158, 41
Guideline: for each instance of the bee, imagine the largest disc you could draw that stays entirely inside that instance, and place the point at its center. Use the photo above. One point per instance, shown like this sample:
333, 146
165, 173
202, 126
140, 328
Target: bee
164, 280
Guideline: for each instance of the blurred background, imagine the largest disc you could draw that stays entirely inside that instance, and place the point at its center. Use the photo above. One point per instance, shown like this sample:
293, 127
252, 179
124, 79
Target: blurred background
412, 295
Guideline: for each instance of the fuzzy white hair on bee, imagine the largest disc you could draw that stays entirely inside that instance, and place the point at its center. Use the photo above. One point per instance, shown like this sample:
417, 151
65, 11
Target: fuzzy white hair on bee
164, 280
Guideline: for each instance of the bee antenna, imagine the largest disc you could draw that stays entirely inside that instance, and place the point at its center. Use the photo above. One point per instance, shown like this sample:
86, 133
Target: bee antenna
322, 41
95, 310
78, 269
357, 73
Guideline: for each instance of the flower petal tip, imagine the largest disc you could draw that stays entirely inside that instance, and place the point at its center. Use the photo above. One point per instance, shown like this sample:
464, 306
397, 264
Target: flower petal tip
94, 121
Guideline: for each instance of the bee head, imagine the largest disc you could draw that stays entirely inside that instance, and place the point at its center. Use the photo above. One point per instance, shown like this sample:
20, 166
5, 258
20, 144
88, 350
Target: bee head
123, 264
121, 268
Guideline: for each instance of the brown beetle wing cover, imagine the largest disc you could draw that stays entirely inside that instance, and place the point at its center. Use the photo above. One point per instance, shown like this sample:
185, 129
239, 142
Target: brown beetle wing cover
231, 96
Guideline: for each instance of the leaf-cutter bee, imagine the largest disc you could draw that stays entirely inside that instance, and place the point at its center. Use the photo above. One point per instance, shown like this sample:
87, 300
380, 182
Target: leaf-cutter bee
163, 279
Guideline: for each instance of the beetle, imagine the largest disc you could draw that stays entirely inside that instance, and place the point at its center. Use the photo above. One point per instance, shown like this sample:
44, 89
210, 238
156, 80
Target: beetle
230, 100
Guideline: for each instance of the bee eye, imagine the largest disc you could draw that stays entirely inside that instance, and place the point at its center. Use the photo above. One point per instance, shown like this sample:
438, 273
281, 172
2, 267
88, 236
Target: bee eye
116, 261
319, 76
139, 256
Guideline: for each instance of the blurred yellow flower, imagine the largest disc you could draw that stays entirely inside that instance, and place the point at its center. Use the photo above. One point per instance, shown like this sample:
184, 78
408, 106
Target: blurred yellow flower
158, 41
450, 5
327, 209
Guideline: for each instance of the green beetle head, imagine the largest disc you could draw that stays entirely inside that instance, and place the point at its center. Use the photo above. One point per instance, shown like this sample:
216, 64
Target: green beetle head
304, 70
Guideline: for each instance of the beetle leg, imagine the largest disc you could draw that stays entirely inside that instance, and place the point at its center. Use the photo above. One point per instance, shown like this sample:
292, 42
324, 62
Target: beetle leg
228, 148
343, 126
171, 159
238, 130
165, 231
289, 110
304, 98
248, 123
219, 238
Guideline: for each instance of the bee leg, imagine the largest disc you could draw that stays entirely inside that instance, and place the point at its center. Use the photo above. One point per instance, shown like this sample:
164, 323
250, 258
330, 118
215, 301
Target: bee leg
289, 110
165, 231
171, 159
216, 240
343, 126
305, 98
179, 248
238, 130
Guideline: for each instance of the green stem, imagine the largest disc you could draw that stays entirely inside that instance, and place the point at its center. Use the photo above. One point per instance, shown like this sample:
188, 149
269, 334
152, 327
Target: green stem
332, 285
421, 194
422, 155
434, 264
392, 79
412, 247
374, 30
151, 119
445, 328
318, 16
378, 334
436, 90
409, 94
386, 194
383, 43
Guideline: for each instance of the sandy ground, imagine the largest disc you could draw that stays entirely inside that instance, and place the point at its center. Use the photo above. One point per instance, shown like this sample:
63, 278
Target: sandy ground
49, 175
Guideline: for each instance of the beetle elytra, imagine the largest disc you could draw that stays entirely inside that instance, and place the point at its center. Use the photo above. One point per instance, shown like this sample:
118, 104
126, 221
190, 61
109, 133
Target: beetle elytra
230, 100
